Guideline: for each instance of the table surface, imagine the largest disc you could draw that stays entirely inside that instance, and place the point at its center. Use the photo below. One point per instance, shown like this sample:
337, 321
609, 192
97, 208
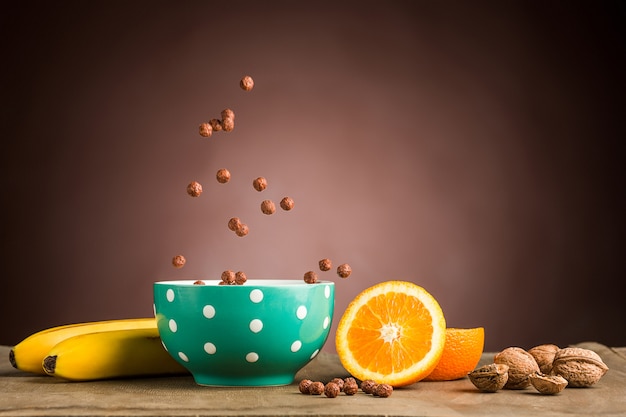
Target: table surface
23, 394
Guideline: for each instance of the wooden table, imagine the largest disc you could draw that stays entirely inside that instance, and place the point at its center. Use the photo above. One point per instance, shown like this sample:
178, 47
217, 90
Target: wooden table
23, 394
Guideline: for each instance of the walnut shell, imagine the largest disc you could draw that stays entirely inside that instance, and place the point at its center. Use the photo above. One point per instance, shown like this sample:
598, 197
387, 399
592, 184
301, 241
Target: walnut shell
580, 367
544, 355
521, 364
490, 378
548, 384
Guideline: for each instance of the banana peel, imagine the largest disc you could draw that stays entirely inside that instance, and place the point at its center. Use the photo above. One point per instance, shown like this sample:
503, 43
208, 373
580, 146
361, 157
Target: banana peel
111, 354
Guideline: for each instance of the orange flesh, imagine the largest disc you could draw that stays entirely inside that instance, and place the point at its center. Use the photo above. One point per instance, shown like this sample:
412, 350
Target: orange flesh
387, 340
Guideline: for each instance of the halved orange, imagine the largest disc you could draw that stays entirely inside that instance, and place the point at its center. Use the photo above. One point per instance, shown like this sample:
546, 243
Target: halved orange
393, 332
461, 354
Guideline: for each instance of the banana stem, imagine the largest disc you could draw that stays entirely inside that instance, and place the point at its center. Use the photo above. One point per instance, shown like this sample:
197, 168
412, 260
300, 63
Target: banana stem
12, 359
50, 364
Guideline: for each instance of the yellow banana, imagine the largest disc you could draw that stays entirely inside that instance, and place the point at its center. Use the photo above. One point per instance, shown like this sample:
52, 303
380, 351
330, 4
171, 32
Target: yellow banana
111, 354
29, 353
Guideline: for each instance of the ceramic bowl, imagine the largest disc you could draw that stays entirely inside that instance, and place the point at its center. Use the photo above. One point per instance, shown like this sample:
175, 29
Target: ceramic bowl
256, 334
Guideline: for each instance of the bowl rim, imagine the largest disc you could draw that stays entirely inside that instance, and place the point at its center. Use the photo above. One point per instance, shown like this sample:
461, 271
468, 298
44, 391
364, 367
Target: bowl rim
256, 282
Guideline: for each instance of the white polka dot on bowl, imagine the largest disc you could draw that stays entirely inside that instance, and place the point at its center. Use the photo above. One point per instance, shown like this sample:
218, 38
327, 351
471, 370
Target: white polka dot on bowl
256, 296
208, 311
256, 326
301, 312
295, 346
173, 325
210, 348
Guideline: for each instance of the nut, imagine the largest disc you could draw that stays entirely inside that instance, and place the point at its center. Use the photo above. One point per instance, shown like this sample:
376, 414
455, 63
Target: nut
580, 367
344, 270
240, 278
268, 207
544, 355
234, 223
521, 364
199, 282
548, 384
178, 261
325, 264
304, 385
286, 203
368, 386
316, 388
228, 277
206, 130
194, 189
490, 378
310, 277
259, 184
383, 390
216, 125
223, 176
331, 390
246, 83
241, 230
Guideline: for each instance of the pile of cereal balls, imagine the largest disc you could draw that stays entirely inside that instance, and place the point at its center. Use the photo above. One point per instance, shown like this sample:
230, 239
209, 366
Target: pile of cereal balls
348, 386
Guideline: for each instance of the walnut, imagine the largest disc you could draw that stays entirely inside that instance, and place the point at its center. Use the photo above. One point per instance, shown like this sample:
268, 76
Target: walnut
547, 384
521, 364
544, 355
490, 378
580, 367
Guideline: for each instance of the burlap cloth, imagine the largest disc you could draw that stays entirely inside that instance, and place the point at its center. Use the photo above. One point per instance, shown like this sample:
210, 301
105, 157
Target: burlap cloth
23, 394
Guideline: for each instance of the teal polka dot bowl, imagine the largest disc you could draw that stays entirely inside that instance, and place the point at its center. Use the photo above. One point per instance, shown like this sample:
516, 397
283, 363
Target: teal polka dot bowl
257, 334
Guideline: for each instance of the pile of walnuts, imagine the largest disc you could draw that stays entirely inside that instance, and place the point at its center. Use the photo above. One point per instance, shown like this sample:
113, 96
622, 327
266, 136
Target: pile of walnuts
548, 368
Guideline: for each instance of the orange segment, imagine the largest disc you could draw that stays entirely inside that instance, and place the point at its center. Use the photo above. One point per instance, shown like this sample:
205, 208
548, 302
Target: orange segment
393, 332
461, 354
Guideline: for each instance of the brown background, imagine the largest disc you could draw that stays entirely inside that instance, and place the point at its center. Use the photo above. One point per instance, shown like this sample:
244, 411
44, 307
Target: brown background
469, 147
